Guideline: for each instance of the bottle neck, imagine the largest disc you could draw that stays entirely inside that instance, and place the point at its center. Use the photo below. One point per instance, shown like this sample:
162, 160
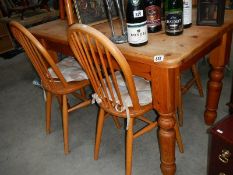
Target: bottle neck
173, 5
135, 12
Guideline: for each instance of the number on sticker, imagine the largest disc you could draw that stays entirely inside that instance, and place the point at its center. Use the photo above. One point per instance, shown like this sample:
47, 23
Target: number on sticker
158, 58
138, 13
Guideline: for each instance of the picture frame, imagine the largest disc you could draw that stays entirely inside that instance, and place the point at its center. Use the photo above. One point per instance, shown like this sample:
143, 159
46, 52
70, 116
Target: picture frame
92, 12
210, 12
229, 4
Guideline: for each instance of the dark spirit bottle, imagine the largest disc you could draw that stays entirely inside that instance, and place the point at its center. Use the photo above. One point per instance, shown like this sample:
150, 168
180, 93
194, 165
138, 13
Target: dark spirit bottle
173, 17
153, 14
187, 13
136, 23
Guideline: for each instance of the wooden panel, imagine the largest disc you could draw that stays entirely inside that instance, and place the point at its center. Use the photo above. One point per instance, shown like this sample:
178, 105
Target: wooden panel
221, 147
5, 44
216, 164
2, 30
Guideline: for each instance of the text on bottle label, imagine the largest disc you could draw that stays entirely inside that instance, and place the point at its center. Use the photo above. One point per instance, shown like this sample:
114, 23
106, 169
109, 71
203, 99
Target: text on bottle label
137, 32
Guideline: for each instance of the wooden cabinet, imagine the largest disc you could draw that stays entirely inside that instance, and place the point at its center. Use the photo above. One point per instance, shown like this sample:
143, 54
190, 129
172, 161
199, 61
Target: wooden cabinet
221, 148
6, 43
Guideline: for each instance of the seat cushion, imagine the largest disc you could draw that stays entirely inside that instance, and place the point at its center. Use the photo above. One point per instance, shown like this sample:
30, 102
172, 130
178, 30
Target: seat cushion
141, 83
70, 69
142, 87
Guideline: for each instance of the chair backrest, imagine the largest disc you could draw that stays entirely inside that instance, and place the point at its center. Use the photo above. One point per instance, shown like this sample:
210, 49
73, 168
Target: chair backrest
9, 3
39, 57
68, 10
100, 58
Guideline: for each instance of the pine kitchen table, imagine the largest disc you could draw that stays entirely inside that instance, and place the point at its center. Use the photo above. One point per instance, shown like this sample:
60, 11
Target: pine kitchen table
180, 52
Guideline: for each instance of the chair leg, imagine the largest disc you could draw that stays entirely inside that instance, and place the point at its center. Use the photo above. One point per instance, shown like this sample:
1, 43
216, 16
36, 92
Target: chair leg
65, 124
82, 91
59, 99
48, 112
117, 122
197, 80
129, 148
178, 137
180, 108
99, 130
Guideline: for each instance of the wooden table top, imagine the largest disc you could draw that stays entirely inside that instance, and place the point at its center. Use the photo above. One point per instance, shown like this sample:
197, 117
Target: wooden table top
176, 49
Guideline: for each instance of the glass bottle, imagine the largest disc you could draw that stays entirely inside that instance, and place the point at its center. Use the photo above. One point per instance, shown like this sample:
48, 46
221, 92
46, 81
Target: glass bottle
153, 14
173, 17
136, 23
187, 13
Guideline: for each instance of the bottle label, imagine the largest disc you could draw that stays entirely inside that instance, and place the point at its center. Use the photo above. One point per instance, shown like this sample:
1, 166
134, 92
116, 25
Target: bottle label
174, 22
153, 16
137, 32
187, 11
137, 13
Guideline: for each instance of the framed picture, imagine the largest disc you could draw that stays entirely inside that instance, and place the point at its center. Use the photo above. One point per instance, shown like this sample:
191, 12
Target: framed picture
92, 11
210, 12
229, 4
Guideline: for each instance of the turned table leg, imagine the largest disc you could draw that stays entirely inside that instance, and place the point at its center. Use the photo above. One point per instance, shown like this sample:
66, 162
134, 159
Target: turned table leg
164, 81
219, 57
167, 143
213, 94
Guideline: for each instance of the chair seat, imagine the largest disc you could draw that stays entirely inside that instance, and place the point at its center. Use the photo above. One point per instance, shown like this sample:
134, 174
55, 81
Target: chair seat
70, 69
71, 87
142, 87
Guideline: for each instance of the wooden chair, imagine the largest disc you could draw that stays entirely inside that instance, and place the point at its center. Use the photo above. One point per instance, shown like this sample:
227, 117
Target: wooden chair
184, 88
118, 93
59, 86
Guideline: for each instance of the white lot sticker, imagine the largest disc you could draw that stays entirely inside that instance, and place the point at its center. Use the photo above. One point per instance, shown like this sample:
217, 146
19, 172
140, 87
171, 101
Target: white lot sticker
158, 58
219, 131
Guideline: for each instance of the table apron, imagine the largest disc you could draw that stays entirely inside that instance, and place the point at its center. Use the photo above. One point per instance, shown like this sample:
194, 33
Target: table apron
187, 63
